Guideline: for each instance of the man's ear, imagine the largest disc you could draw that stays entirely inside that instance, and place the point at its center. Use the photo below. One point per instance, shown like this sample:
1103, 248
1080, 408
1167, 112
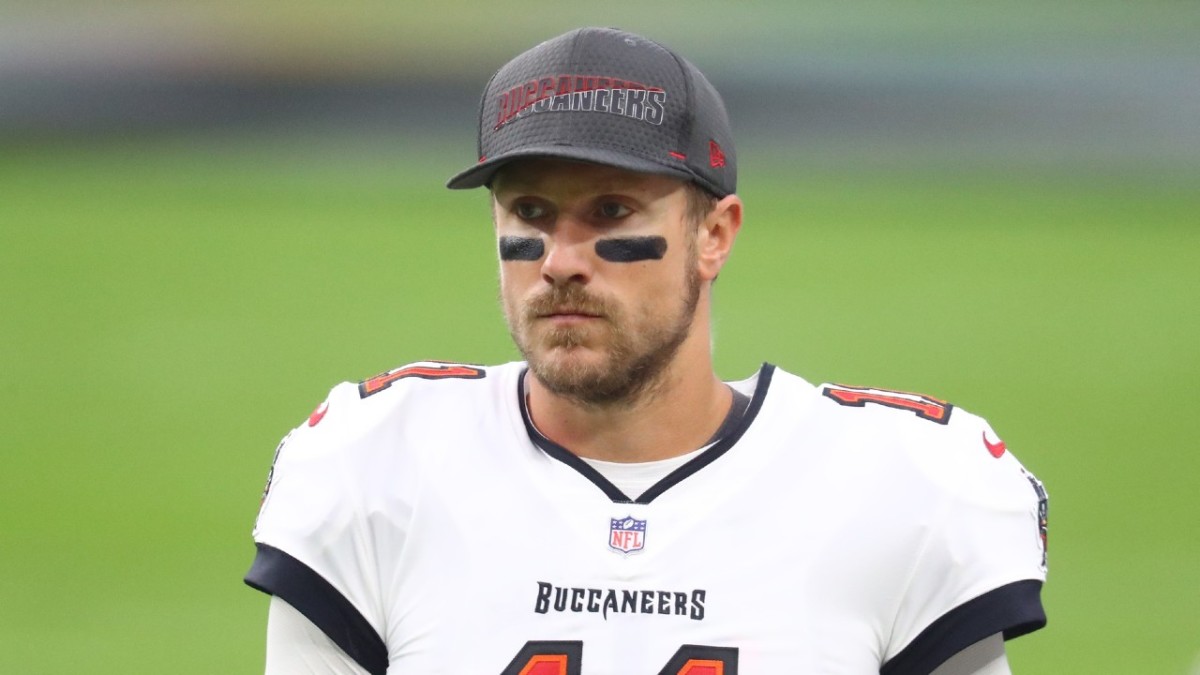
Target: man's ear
716, 234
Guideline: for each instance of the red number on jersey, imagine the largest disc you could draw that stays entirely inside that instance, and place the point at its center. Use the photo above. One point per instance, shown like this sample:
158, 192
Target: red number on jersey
925, 407
546, 664
384, 380
546, 657
702, 660
702, 667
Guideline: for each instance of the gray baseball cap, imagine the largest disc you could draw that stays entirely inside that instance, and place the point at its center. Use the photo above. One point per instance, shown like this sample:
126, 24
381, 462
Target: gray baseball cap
609, 97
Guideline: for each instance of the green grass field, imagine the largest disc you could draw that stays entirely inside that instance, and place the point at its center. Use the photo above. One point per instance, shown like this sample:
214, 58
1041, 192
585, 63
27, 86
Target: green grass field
171, 308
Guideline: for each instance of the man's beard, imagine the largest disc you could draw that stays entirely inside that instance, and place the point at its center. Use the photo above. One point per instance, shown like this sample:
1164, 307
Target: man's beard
635, 357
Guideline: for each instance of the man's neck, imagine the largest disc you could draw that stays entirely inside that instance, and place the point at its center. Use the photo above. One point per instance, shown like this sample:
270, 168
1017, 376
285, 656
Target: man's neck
683, 411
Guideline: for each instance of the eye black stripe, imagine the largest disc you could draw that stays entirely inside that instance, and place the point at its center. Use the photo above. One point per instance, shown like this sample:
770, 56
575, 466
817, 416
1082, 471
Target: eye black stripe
631, 249
521, 248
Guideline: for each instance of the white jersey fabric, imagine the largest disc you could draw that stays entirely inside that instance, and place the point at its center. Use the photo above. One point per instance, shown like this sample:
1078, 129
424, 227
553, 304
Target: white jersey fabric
423, 524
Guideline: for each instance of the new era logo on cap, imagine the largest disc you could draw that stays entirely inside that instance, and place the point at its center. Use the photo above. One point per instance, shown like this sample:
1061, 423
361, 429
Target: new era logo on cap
715, 157
610, 97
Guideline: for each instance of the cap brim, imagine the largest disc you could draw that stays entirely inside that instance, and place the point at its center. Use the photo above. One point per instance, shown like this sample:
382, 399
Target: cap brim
482, 173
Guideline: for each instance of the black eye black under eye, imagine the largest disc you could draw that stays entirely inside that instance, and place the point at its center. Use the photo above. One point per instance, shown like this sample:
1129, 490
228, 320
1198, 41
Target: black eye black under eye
631, 249
521, 248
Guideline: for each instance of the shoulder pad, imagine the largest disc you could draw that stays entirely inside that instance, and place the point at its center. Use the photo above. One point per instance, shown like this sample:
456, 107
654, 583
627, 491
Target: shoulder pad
954, 447
343, 401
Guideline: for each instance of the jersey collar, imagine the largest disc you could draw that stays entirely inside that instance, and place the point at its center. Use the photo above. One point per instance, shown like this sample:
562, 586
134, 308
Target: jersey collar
730, 432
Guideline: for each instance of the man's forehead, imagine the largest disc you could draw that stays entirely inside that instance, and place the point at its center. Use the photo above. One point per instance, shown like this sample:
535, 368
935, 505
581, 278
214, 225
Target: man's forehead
542, 173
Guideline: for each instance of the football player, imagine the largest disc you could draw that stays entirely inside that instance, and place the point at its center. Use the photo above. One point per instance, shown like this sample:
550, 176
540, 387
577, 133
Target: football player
608, 505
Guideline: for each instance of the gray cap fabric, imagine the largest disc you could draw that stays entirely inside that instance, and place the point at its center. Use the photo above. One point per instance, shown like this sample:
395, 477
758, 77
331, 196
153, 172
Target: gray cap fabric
610, 97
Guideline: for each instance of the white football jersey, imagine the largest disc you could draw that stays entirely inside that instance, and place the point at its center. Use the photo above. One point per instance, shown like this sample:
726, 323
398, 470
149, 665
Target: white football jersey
423, 523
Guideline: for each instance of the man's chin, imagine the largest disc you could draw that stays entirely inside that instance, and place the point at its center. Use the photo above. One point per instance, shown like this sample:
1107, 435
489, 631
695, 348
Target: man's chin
570, 361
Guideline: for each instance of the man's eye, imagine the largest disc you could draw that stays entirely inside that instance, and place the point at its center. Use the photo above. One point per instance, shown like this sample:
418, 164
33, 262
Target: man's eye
527, 211
613, 210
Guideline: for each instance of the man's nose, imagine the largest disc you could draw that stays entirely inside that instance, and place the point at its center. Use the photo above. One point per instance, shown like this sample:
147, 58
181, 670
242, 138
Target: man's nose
570, 254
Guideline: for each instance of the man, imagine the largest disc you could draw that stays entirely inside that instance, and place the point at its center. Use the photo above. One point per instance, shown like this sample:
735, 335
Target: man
609, 505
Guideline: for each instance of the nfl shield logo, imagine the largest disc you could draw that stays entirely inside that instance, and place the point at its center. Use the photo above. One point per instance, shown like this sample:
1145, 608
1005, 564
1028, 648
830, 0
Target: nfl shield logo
627, 534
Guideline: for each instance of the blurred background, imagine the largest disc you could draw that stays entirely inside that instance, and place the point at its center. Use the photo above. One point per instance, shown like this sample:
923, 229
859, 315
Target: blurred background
211, 213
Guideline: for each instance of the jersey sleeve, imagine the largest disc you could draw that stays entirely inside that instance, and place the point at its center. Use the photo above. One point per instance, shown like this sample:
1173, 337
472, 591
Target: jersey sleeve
297, 647
982, 565
316, 550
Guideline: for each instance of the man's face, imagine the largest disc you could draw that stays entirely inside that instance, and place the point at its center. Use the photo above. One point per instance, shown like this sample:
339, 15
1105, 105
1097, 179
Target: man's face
598, 275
